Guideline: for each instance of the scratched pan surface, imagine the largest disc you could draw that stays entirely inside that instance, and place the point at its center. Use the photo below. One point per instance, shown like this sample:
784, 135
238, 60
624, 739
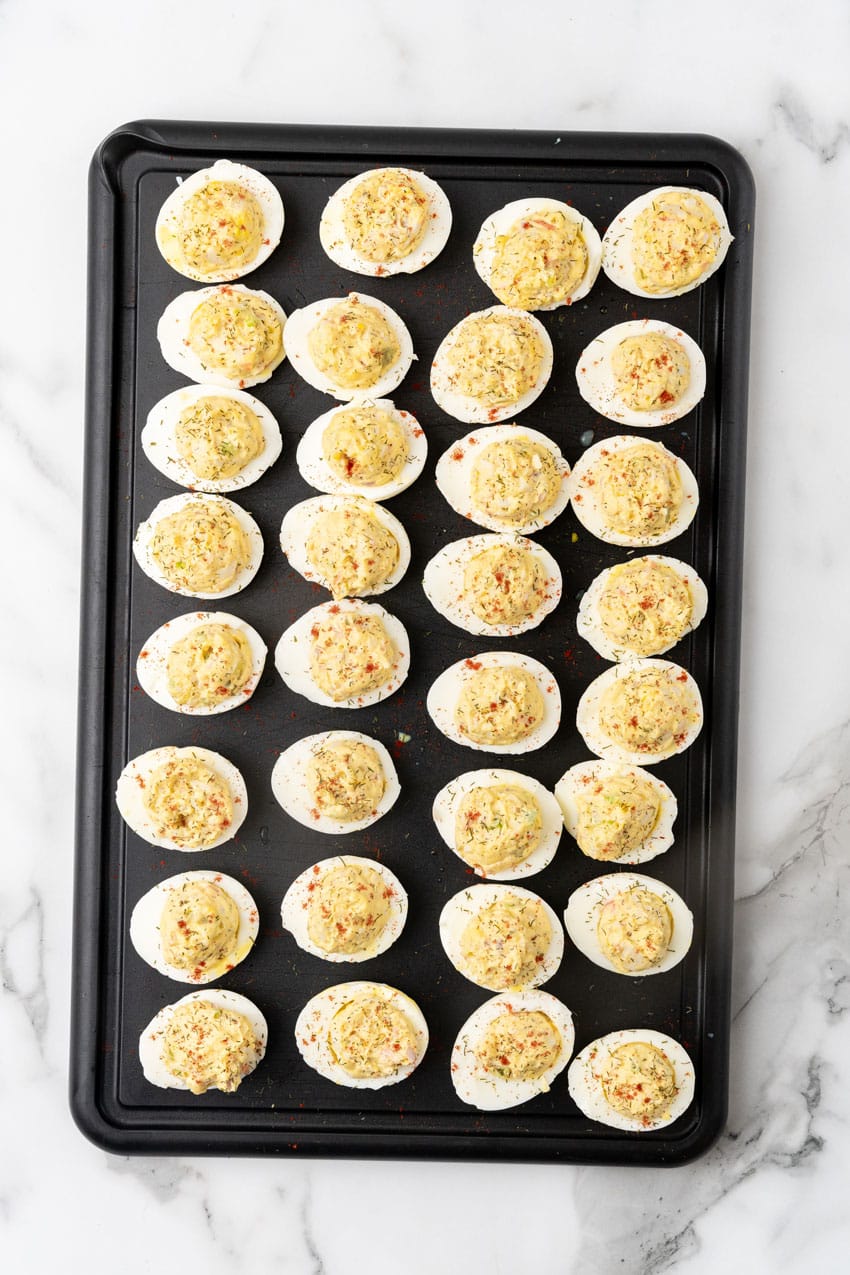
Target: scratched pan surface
284, 1107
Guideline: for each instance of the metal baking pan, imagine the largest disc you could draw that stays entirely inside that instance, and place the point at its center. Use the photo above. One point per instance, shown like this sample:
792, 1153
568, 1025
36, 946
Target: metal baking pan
284, 1107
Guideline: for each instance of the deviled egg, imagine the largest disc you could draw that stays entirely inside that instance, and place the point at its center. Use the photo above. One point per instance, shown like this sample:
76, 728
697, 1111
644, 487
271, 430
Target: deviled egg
208, 1040
537, 254
644, 373
502, 824
640, 712
345, 909
666, 242
182, 798
511, 1049
501, 937
228, 335
195, 926
348, 544
386, 221
204, 546
636, 1080
220, 223
352, 347
641, 607
496, 585
505, 478
491, 365
202, 662
633, 491
618, 813
211, 438
362, 1035
338, 781
629, 923
346, 654
369, 448
497, 702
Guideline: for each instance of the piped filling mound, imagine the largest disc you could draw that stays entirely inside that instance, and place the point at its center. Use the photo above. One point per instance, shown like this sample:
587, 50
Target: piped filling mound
352, 550
199, 925
364, 446
675, 240
634, 930
346, 780
514, 481
385, 216
616, 815
520, 1045
209, 1047
188, 803
505, 944
539, 262
499, 705
353, 344
211, 663
648, 710
495, 359
350, 654
220, 227
201, 547
645, 607
639, 1081
236, 333
651, 371
217, 437
640, 490
372, 1038
504, 584
349, 909
497, 827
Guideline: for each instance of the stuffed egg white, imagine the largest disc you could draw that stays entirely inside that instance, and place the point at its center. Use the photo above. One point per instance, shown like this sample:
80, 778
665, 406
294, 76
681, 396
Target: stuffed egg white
349, 545
345, 909
511, 1049
220, 223
629, 924
636, 1080
227, 335
362, 1035
346, 654
208, 1040
496, 702
633, 491
666, 242
538, 254
337, 781
202, 662
501, 937
505, 478
386, 221
352, 347
195, 927
644, 373
496, 585
617, 813
502, 824
182, 798
369, 448
492, 365
211, 438
203, 546
640, 711
641, 607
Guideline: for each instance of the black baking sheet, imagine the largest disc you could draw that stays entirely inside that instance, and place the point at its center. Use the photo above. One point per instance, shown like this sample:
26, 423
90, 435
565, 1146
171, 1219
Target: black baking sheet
284, 1107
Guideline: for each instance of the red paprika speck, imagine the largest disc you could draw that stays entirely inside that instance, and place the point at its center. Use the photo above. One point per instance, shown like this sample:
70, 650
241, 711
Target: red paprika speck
473, 664
682, 677
570, 655
457, 454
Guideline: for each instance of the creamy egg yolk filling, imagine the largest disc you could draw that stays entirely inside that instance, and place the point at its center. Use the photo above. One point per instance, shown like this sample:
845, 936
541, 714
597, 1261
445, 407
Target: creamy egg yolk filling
645, 606
504, 944
497, 827
350, 654
352, 550
198, 926
515, 480
648, 710
371, 1038
520, 1045
209, 664
188, 803
639, 1081
495, 359
385, 216
634, 930
217, 437
499, 705
201, 547
353, 344
236, 333
346, 780
674, 241
208, 1047
616, 815
640, 491
539, 262
365, 446
504, 584
220, 227
651, 371
349, 909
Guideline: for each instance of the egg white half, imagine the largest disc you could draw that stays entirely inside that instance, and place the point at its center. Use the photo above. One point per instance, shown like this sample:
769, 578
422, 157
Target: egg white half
298, 524
444, 587
150, 1041
295, 909
292, 654
618, 241
598, 386
585, 1085
464, 407
588, 773
172, 332
296, 335
290, 787
500, 223
449, 798
446, 690
315, 470
589, 624
152, 664
587, 713
584, 907
464, 906
334, 238
314, 1021
147, 914
136, 775
587, 485
171, 505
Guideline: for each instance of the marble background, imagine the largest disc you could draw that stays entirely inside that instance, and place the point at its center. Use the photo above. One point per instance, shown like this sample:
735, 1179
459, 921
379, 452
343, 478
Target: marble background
772, 79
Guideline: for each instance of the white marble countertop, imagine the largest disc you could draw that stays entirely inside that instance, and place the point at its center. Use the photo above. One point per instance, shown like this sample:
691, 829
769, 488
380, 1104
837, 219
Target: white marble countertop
771, 78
